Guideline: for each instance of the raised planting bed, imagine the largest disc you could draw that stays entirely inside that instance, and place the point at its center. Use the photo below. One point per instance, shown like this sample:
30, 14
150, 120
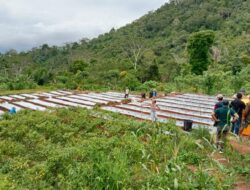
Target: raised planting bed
175, 109
44, 103
187, 104
30, 106
88, 103
88, 99
66, 103
202, 102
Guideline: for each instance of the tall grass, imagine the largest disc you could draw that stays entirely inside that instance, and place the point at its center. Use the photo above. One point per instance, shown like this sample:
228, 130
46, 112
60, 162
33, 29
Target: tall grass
80, 149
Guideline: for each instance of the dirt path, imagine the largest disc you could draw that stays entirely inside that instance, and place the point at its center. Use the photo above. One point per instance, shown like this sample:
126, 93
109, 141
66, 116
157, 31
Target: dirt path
241, 148
220, 158
242, 186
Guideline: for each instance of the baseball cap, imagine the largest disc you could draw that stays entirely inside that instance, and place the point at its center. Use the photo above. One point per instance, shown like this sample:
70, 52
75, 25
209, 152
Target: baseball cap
219, 96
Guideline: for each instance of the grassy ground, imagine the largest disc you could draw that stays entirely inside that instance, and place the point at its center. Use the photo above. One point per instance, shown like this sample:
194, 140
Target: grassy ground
80, 149
38, 89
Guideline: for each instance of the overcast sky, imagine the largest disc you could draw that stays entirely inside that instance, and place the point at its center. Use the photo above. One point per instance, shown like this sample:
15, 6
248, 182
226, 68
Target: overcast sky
30, 23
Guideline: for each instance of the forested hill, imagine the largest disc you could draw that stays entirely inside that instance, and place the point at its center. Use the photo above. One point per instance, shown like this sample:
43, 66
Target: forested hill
152, 48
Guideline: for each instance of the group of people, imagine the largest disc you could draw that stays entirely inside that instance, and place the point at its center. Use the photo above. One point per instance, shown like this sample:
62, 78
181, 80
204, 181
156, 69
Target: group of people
228, 116
231, 116
152, 94
153, 106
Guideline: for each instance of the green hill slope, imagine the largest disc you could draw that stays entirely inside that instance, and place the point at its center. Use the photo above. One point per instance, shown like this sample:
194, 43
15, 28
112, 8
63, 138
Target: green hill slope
72, 149
151, 48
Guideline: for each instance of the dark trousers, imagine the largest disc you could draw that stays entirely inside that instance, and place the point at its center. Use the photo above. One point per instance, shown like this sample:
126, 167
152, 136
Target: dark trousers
236, 127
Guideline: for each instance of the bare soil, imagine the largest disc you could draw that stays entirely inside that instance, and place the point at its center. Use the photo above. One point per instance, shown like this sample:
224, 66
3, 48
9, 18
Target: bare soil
242, 186
241, 148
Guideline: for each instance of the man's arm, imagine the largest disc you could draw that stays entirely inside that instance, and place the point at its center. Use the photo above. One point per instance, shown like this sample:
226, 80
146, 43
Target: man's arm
235, 116
214, 118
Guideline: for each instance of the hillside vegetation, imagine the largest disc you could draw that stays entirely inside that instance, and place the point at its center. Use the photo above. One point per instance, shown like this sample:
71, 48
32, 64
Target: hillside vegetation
80, 149
152, 48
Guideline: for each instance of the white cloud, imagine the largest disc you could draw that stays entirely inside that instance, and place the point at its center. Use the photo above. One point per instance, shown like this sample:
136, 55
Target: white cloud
28, 23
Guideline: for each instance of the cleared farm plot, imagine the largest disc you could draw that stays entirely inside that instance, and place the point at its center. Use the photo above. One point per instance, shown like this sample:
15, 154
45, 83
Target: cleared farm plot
178, 107
145, 116
178, 110
170, 115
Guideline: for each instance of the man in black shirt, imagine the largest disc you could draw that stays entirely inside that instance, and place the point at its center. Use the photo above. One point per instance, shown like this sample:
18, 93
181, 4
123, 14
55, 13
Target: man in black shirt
238, 106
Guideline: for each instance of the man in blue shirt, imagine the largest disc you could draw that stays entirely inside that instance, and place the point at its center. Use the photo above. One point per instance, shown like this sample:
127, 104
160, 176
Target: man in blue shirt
12, 110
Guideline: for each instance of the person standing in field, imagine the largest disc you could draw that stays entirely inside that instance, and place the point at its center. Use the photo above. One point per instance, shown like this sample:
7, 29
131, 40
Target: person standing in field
126, 93
219, 103
154, 93
12, 110
143, 96
153, 108
222, 117
238, 106
150, 94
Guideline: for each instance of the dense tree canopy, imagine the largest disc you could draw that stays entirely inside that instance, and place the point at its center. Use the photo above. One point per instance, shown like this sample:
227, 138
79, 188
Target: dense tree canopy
179, 32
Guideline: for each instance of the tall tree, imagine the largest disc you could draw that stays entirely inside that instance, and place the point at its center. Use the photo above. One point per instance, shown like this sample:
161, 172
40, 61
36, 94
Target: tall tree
198, 48
134, 48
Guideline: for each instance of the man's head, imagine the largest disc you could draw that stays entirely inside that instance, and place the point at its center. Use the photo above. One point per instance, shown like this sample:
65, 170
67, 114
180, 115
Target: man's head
219, 97
225, 102
239, 95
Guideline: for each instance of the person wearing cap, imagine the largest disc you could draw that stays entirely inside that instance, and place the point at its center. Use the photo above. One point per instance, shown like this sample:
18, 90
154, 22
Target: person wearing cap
246, 120
219, 103
222, 117
238, 106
